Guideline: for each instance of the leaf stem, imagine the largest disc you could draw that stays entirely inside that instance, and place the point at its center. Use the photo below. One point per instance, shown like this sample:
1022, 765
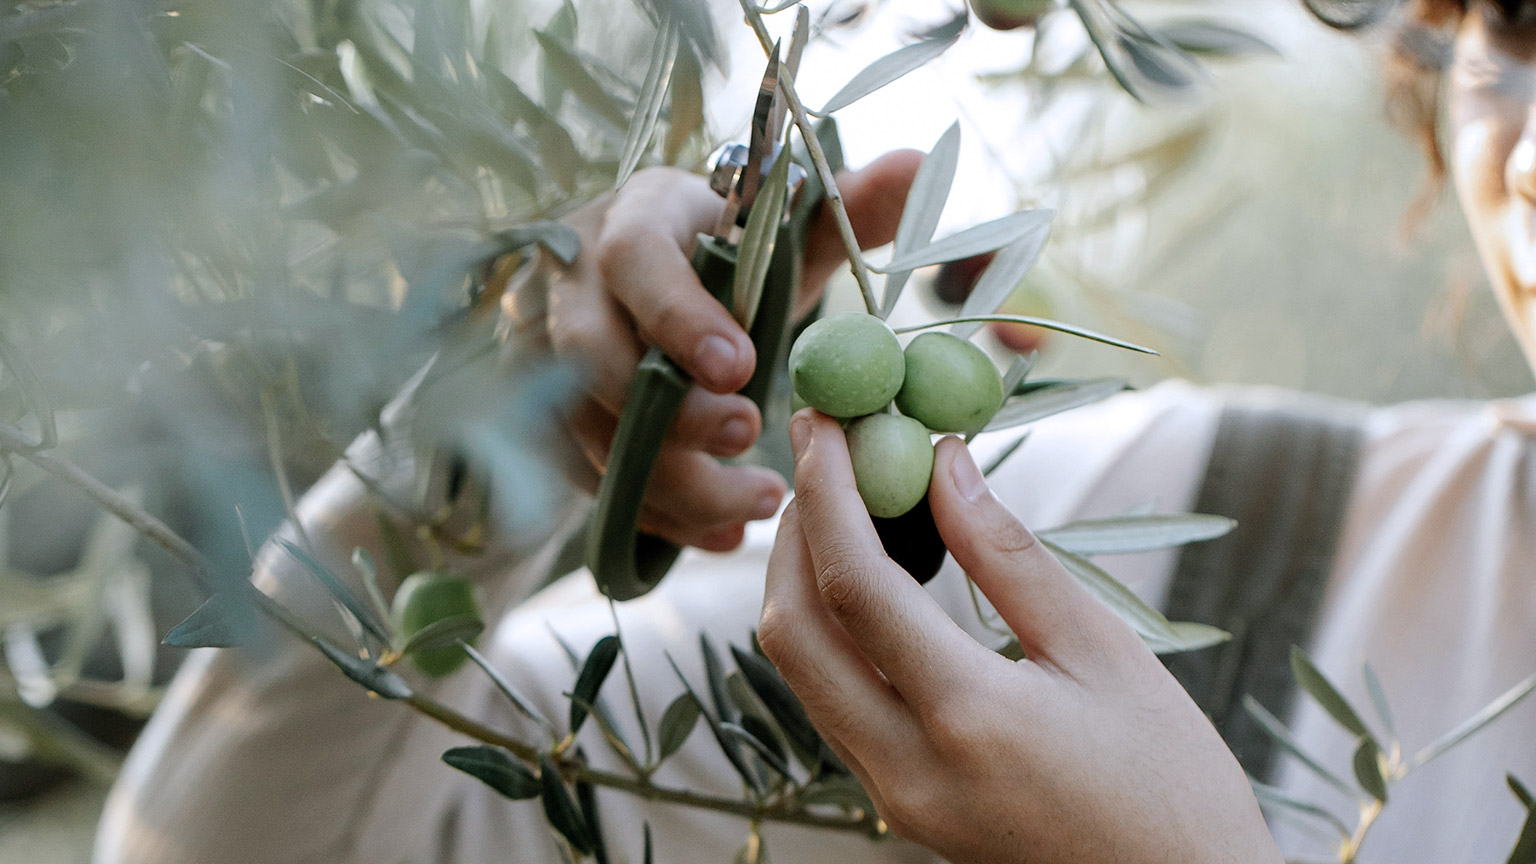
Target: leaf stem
1369, 812
819, 159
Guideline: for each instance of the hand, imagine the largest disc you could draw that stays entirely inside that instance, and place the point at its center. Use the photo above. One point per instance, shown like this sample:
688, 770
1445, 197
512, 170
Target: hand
632, 286
1087, 751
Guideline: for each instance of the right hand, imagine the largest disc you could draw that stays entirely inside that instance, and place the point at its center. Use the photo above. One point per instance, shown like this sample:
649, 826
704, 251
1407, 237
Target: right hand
632, 286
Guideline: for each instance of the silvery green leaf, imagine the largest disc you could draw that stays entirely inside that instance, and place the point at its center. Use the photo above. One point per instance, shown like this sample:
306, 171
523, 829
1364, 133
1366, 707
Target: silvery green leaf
497, 769
924, 205
642, 126
518, 700
676, 725
1525, 845
444, 633
561, 810
1028, 228
561, 26
1214, 38
728, 746
561, 241
593, 673
1463, 730
1348, 14
376, 678
1019, 410
362, 561
1125, 534
1367, 764
575, 75
1003, 275
1271, 795
758, 240
1160, 635
842, 790
687, 111
629, 681
1100, 32
774, 760
1018, 370
1282, 737
780, 701
896, 64
338, 591
221, 622
1524, 794
1378, 699
1321, 689
997, 461
714, 674
1157, 63
965, 325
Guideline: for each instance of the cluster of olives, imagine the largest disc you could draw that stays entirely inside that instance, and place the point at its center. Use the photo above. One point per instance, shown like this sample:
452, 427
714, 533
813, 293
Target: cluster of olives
852, 367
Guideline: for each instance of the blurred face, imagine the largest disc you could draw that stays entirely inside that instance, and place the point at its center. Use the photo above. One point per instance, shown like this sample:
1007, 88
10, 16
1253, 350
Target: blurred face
1492, 113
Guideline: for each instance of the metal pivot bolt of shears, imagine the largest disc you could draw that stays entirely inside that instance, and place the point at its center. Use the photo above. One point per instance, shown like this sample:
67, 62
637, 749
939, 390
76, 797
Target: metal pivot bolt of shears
626, 562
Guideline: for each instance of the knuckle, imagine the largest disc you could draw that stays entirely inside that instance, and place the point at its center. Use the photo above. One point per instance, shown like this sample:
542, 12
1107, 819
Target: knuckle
844, 582
1009, 537
910, 807
777, 637
619, 250
671, 317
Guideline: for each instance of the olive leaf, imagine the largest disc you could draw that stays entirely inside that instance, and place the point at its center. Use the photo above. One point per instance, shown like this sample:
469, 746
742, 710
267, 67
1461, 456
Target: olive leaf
518, 700
1200, 36
497, 769
222, 621
444, 633
1160, 635
728, 746
758, 240
677, 724
963, 321
1322, 690
924, 206
687, 114
572, 72
1367, 764
1525, 845
1045, 402
714, 675
560, 810
780, 701
997, 461
586, 797
362, 562
593, 672
841, 790
1491, 712
562, 26
1378, 699
1527, 800
629, 680
376, 678
1274, 796
648, 856
1277, 731
760, 747
338, 591
561, 240
896, 64
648, 110
1032, 226
1125, 534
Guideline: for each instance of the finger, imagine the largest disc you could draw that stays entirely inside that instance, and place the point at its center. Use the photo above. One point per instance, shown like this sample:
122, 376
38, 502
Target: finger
719, 424
856, 710
701, 490
587, 326
643, 256
891, 618
1055, 619
873, 197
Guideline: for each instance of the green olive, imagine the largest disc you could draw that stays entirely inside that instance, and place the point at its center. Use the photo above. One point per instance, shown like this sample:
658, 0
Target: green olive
950, 385
847, 365
426, 598
1009, 14
892, 462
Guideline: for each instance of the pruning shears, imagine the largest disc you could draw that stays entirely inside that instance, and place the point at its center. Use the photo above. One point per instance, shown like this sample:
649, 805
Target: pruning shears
626, 562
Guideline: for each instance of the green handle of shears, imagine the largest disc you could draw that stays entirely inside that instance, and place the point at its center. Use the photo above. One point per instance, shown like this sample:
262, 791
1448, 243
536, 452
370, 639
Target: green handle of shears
626, 562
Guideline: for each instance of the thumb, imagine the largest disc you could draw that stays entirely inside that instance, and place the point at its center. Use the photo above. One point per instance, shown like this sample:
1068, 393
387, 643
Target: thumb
1053, 617
873, 196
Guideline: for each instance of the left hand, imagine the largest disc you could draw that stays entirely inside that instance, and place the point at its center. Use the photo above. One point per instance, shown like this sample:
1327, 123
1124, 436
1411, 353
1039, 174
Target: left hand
1087, 751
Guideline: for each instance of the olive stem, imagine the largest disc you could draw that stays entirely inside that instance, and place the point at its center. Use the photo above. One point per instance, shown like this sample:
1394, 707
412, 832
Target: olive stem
819, 159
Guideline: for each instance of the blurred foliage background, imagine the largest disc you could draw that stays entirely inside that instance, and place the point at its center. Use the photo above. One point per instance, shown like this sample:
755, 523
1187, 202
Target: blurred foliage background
230, 231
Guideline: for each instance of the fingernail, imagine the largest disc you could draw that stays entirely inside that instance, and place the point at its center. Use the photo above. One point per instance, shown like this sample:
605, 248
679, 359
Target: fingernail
967, 477
799, 434
714, 358
734, 437
767, 506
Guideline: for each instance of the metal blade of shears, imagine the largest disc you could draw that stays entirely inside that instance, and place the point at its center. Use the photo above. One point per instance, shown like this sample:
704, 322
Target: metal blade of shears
761, 143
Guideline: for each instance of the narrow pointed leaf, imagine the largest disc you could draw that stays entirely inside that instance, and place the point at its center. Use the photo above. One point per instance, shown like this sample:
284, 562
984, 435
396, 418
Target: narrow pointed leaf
758, 240
642, 126
518, 700
1490, 713
611, 736
593, 673
714, 673
844, 791
1378, 699
997, 461
924, 206
339, 592
629, 680
573, 74
561, 811
497, 769
780, 701
363, 562
1525, 845
1039, 404
586, 797
1159, 634
1002, 278
758, 746
1282, 737
1521, 792
728, 746
561, 241
649, 856
1272, 795
1213, 38
676, 725
958, 323
445, 633
1321, 689
896, 64
1368, 770
687, 114
221, 622
1125, 534
376, 678
1026, 225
